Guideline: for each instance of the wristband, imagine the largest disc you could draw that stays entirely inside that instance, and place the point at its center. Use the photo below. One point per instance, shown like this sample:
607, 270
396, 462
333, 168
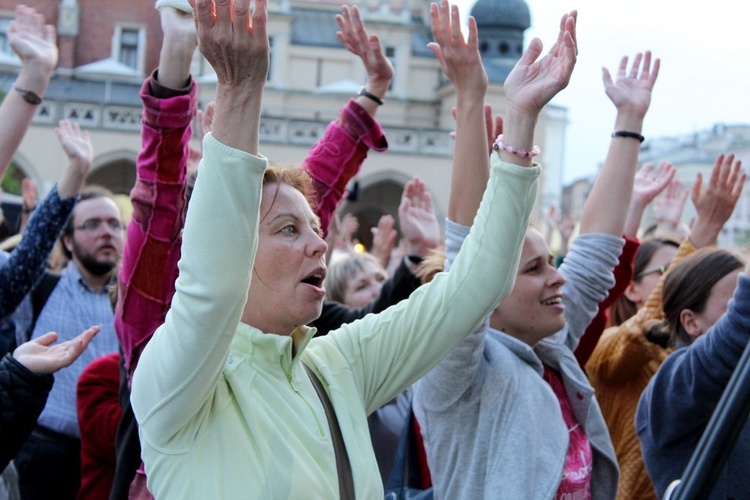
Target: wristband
365, 93
499, 144
29, 96
630, 135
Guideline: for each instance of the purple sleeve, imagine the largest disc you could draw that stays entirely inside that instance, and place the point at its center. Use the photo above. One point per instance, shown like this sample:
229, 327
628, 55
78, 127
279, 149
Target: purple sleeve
149, 262
338, 156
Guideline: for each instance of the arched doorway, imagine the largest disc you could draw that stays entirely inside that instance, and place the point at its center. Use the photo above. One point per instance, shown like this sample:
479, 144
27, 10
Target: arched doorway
376, 198
118, 176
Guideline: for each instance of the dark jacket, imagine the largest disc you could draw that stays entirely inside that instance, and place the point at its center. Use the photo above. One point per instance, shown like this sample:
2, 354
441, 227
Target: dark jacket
677, 404
23, 395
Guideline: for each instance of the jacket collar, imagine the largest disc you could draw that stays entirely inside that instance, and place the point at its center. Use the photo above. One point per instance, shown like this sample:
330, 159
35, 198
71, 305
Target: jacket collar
262, 347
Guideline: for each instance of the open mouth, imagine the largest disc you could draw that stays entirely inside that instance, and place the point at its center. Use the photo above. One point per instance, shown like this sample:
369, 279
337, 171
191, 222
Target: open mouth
316, 278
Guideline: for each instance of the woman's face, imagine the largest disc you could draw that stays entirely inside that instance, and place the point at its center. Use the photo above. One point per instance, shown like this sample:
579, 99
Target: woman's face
286, 289
639, 291
716, 306
364, 286
534, 308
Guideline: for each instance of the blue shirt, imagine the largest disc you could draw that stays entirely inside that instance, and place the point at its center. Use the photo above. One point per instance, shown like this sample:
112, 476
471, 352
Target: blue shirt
71, 308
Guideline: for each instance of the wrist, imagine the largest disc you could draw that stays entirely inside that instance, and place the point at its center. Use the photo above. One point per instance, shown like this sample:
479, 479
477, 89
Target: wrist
629, 121
377, 87
704, 234
35, 75
638, 205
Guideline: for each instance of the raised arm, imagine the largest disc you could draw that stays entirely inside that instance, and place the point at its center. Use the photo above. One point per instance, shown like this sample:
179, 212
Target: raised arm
187, 352
239, 86
357, 40
34, 43
606, 208
462, 64
616, 359
27, 261
337, 157
149, 263
532, 84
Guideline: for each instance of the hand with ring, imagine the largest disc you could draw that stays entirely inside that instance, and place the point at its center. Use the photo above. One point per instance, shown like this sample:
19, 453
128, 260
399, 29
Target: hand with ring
43, 358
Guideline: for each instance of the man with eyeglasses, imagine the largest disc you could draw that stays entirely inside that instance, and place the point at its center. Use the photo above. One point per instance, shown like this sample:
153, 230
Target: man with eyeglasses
93, 240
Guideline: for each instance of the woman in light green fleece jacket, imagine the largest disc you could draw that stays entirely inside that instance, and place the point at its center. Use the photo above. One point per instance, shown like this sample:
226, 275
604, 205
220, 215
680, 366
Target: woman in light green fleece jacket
224, 406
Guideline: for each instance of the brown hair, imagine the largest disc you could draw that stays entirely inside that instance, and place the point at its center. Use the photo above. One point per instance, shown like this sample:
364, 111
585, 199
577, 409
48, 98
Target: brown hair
624, 308
297, 178
688, 286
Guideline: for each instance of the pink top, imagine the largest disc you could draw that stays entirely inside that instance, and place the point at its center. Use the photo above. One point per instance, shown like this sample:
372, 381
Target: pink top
576, 478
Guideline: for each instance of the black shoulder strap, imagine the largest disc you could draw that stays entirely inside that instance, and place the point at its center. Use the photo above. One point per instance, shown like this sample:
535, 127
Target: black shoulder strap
39, 295
343, 466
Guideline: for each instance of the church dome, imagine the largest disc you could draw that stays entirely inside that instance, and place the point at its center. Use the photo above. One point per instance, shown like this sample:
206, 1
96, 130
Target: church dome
502, 13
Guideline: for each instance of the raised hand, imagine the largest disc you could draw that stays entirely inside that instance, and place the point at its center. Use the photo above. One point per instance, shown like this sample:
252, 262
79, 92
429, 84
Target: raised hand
650, 181
357, 40
178, 47
234, 42
715, 204
41, 357
32, 40
533, 82
631, 92
77, 146
669, 205
566, 227
383, 239
419, 225
347, 227
75, 142
459, 58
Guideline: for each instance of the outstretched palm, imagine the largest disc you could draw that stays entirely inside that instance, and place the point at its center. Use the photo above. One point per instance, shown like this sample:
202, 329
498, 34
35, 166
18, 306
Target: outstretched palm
533, 83
31, 39
355, 38
632, 91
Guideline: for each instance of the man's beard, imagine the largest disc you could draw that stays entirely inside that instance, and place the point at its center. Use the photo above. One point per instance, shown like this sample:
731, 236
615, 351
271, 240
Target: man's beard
89, 262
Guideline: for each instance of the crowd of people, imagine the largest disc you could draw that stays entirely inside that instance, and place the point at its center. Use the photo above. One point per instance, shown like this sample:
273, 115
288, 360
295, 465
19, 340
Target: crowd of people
172, 357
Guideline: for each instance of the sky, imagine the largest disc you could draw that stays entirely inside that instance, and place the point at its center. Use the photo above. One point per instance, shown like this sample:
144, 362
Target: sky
704, 77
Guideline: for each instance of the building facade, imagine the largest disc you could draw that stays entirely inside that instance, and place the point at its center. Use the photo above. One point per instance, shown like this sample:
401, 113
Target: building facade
108, 48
